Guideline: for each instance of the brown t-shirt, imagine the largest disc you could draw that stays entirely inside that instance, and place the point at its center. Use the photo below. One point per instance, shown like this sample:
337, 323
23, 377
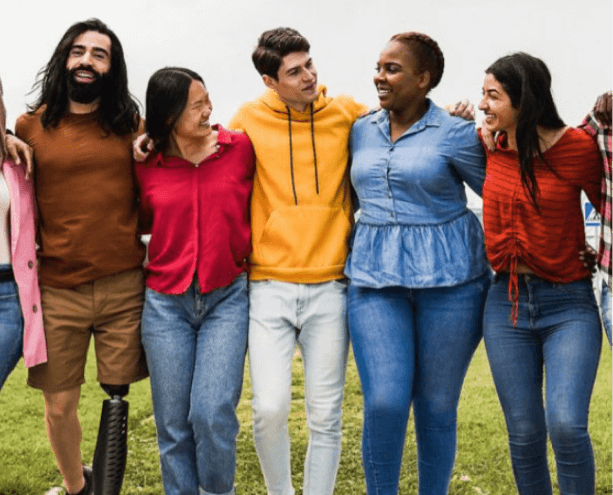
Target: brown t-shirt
85, 190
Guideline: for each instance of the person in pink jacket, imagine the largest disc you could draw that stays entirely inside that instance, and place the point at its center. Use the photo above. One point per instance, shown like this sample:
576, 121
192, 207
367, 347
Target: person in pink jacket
21, 322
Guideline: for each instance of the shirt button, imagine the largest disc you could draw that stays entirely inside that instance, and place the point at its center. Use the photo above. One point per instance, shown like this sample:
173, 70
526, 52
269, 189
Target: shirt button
35, 308
30, 264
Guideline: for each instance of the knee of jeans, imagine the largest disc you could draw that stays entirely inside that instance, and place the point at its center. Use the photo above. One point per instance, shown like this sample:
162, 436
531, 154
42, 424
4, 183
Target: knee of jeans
523, 432
567, 433
325, 419
392, 408
439, 409
210, 417
270, 413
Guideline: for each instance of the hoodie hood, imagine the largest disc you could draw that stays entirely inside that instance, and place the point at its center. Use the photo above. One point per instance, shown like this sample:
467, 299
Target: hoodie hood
271, 99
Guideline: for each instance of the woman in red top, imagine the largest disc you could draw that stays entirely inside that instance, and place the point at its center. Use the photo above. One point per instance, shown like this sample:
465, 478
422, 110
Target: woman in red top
194, 200
540, 316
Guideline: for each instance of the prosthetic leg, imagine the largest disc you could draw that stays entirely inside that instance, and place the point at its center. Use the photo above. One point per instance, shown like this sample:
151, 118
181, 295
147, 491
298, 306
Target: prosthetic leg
111, 448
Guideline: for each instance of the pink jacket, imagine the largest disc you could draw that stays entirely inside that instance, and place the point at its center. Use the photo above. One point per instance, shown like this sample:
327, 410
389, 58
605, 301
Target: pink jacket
23, 260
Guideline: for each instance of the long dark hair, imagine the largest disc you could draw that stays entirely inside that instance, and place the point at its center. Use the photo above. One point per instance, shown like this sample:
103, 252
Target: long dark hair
527, 81
118, 110
167, 95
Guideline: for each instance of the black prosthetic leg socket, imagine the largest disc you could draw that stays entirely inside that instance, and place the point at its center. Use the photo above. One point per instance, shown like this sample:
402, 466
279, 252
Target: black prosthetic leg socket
111, 448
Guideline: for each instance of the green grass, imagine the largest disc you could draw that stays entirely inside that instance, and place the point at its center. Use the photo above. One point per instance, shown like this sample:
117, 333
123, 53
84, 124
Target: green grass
27, 466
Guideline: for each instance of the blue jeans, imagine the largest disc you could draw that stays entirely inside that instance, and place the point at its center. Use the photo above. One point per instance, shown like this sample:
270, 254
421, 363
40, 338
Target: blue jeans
558, 334
195, 346
605, 309
413, 346
313, 317
11, 329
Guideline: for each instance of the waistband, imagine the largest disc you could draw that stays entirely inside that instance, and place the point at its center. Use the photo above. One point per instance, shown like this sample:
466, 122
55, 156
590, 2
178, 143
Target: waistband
6, 274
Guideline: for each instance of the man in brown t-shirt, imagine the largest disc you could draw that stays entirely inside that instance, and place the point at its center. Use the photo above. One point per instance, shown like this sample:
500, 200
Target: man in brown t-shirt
90, 257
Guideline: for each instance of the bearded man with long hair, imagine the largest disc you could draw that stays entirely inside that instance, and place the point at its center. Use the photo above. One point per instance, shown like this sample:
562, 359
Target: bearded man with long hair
90, 255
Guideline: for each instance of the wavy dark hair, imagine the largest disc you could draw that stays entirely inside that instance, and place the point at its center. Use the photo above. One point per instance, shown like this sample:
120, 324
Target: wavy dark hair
275, 44
527, 81
167, 95
118, 110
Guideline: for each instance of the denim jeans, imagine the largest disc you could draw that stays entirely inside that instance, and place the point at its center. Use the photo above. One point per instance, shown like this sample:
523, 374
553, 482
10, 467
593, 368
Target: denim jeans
605, 309
558, 334
11, 329
313, 316
413, 346
195, 346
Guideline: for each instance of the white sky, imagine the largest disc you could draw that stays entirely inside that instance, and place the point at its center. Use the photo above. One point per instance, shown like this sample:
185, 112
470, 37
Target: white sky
215, 38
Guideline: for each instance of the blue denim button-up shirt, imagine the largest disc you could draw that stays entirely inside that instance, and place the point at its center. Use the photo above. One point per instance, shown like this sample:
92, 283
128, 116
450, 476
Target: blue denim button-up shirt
414, 229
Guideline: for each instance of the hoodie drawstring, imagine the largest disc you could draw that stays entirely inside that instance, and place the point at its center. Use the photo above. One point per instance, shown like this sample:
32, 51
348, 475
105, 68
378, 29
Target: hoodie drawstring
314, 151
291, 152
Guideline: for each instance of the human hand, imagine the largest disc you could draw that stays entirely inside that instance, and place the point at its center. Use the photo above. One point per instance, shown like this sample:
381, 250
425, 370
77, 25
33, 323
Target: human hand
141, 147
488, 136
588, 257
602, 109
464, 109
18, 151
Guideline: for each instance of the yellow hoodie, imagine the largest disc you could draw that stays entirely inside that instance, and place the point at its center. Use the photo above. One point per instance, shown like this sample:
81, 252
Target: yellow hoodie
301, 211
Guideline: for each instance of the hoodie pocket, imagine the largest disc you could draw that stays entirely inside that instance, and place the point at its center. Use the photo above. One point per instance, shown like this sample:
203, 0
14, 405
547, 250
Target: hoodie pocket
304, 236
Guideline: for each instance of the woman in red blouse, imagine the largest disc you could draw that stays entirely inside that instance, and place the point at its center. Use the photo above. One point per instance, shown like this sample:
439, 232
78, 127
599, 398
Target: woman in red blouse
540, 316
194, 200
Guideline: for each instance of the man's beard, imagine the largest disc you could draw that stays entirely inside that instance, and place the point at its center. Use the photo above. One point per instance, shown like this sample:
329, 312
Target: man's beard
85, 92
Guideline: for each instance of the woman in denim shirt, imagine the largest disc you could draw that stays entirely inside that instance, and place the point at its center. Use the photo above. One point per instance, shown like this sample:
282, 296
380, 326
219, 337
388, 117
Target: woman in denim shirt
418, 271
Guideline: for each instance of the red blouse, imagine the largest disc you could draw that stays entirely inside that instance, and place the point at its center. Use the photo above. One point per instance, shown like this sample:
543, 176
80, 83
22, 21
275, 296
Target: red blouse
198, 215
547, 241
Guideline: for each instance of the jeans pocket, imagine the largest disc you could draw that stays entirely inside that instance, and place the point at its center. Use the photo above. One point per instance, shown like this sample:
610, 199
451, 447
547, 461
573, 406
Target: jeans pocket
8, 290
579, 292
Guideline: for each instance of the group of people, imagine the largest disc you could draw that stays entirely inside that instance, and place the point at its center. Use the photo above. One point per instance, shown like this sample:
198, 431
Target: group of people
253, 248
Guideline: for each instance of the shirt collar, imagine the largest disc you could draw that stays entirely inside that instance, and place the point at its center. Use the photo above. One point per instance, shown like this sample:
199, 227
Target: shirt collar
431, 118
224, 138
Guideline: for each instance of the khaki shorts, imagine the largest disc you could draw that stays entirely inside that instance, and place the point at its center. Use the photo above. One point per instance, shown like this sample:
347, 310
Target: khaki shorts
110, 309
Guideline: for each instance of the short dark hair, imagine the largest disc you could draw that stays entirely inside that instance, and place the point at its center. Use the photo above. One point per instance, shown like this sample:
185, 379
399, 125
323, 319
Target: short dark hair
429, 55
527, 81
275, 44
167, 95
118, 110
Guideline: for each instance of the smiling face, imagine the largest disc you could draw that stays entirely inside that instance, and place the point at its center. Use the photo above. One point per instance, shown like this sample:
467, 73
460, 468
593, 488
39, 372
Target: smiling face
296, 82
500, 115
89, 60
194, 120
397, 80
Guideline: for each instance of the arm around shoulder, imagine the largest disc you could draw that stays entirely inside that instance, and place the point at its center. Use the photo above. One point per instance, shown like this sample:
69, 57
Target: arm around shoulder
467, 154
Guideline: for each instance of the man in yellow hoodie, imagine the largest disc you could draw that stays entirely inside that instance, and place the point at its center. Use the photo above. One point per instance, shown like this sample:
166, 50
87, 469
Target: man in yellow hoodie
301, 218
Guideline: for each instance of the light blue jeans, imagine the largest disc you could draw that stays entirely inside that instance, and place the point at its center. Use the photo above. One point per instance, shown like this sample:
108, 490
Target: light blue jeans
195, 346
11, 328
558, 335
313, 316
413, 346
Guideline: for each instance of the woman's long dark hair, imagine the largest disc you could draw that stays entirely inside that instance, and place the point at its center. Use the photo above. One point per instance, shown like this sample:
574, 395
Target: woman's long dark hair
118, 110
167, 95
527, 81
